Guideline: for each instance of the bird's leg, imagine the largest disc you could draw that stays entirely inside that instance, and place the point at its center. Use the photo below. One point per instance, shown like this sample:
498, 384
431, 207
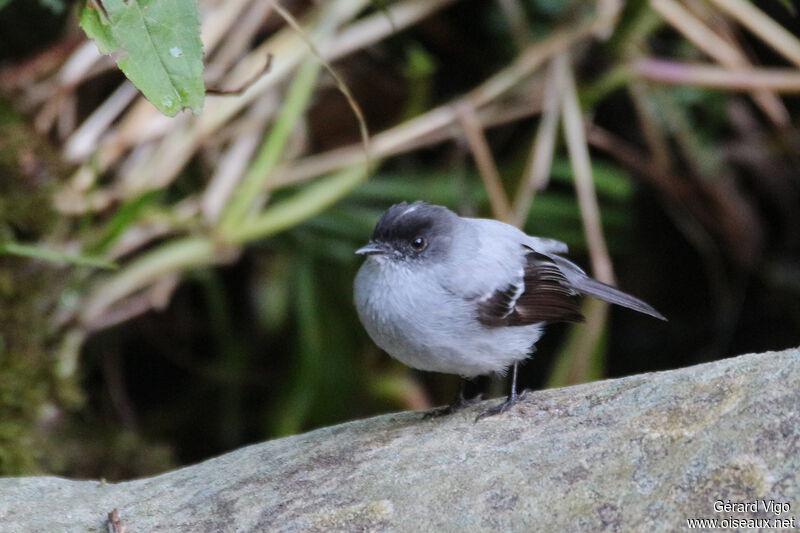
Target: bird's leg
459, 403
513, 398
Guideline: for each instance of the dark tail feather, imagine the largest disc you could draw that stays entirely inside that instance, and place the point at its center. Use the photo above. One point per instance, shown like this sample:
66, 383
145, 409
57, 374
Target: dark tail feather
607, 293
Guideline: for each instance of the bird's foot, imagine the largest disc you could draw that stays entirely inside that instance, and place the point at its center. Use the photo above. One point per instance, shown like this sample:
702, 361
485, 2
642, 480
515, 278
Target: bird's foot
503, 407
457, 405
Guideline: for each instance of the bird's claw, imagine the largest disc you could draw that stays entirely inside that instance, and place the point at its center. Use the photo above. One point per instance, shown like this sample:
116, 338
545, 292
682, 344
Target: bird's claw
457, 405
503, 407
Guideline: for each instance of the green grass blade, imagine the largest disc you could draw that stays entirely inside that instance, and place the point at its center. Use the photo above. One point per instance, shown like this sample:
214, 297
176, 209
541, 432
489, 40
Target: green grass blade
174, 256
295, 103
304, 381
122, 219
55, 256
303, 204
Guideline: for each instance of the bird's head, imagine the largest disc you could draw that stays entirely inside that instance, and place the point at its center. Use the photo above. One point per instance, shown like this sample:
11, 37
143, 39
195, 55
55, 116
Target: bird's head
412, 233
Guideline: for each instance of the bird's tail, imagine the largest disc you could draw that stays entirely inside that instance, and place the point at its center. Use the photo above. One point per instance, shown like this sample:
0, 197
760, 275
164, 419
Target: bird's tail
607, 293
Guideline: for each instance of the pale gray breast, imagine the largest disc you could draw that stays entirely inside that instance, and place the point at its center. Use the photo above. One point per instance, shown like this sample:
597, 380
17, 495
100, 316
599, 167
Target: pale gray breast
408, 313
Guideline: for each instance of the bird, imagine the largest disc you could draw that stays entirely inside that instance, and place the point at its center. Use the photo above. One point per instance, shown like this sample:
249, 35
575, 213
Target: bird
468, 296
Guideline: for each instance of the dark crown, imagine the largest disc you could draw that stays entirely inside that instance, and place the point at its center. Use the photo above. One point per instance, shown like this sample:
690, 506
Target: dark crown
406, 221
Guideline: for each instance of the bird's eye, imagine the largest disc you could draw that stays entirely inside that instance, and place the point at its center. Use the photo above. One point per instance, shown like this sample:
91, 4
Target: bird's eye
418, 244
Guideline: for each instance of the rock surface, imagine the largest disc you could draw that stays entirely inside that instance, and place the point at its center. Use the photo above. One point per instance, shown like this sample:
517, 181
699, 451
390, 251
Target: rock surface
643, 453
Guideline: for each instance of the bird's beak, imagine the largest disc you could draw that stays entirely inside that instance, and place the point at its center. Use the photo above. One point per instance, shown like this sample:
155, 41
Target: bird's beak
372, 248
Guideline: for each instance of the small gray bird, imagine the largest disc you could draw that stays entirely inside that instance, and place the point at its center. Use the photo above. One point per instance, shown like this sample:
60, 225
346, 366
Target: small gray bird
467, 296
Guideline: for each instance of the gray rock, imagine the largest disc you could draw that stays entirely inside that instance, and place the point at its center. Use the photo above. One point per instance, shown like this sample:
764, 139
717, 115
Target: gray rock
643, 453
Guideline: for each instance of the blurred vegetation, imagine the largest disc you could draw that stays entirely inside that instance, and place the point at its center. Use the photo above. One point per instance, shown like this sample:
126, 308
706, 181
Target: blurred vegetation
173, 288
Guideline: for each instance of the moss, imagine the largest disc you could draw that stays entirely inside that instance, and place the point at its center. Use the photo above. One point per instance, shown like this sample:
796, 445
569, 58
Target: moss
28, 165
22, 392
29, 291
44, 424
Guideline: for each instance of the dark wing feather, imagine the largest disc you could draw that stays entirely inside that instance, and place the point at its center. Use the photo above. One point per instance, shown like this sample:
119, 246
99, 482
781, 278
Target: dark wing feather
546, 296
583, 284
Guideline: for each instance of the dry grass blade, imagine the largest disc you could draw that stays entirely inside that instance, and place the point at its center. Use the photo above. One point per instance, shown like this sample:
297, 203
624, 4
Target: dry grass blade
696, 31
762, 25
25, 73
371, 29
541, 158
156, 296
169, 259
235, 159
248, 198
244, 86
575, 137
80, 65
719, 49
743, 79
83, 140
340, 83
577, 361
218, 25
426, 130
607, 14
236, 43
531, 59
473, 131
408, 135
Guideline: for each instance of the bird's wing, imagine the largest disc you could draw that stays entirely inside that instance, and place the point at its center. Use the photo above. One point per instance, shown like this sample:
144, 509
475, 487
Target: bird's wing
543, 294
583, 284
517, 279
546, 245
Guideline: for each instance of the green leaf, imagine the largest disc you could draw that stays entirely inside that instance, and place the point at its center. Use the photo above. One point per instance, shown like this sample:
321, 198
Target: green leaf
156, 44
46, 254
